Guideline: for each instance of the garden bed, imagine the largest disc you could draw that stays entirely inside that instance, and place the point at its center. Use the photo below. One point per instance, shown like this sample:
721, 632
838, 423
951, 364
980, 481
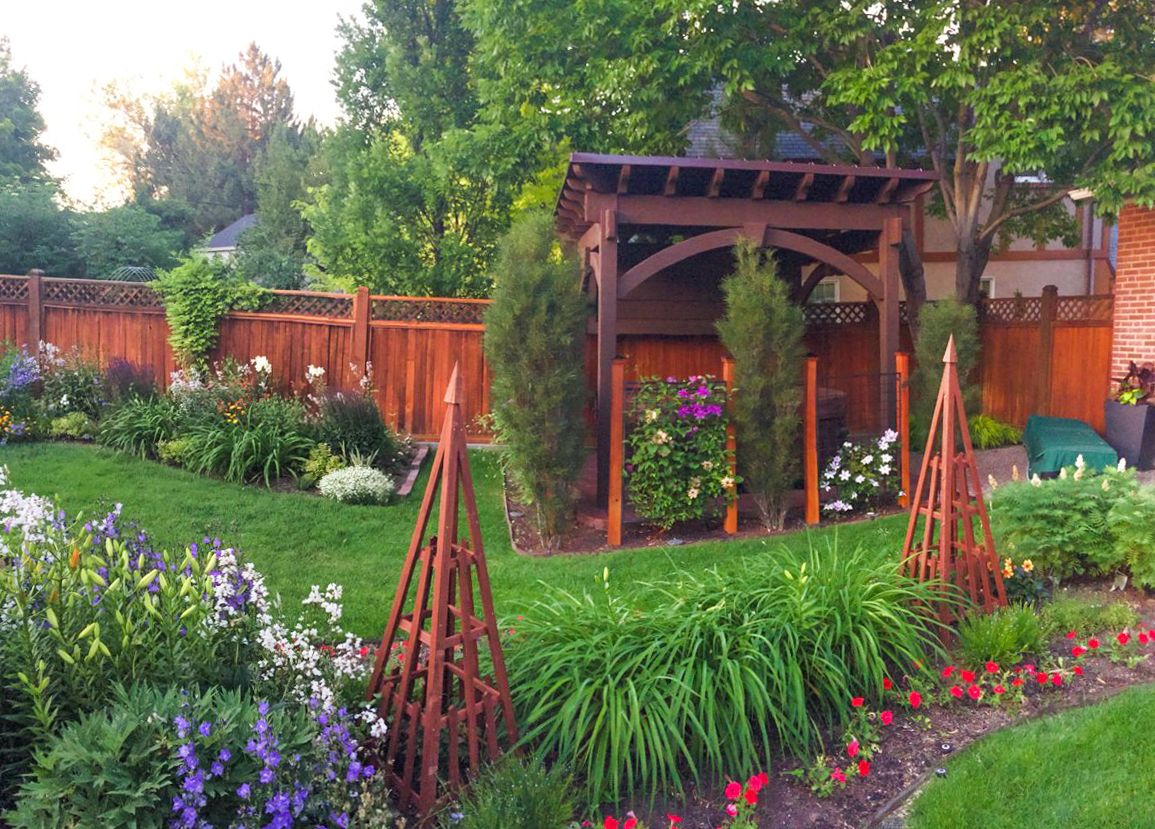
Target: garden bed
911, 749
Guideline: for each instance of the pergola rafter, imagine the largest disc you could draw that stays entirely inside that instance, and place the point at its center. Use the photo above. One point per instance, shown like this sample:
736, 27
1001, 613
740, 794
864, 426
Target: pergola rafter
824, 214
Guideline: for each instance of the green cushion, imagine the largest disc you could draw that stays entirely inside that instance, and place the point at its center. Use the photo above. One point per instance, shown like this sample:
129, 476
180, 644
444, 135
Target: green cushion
1055, 442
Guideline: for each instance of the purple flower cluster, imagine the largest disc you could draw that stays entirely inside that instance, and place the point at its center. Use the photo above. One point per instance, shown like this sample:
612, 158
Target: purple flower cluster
23, 373
699, 411
284, 791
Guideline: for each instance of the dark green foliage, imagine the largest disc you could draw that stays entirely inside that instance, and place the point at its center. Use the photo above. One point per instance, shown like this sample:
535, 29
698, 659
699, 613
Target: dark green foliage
117, 767
938, 322
22, 152
763, 330
123, 236
516, 794
1132, 522
534, 339
1004, 636
1062, 525
139, 425
724, 669
351, 424
271, 441
989, 433
35, 232
77, 385
196, 295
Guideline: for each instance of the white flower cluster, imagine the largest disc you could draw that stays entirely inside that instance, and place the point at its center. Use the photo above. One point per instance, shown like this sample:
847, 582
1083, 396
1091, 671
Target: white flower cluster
357, 485
185, 386
237, 587
314, 373
262, 365
861, 472
23, 518
329, 601
49, 355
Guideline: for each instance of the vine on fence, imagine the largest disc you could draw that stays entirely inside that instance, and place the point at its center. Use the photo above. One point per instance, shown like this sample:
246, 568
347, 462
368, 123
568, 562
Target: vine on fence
196, 295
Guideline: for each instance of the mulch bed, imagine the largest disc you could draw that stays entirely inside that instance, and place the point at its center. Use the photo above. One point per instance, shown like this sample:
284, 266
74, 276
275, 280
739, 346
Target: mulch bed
583, 537
909, 753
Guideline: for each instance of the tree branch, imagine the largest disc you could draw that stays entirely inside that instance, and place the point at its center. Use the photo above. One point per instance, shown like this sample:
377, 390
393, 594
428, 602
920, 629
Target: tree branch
1041, 204
793, 122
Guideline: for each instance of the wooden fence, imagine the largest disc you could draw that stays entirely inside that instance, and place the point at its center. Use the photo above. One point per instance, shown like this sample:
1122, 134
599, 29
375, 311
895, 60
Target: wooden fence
1046, 355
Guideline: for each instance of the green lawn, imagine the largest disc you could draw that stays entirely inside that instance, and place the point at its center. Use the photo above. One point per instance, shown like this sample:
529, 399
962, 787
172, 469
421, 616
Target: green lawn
1089, 767
298, 540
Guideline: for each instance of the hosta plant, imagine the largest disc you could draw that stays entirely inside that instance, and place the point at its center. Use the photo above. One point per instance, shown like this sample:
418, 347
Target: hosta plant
678, 467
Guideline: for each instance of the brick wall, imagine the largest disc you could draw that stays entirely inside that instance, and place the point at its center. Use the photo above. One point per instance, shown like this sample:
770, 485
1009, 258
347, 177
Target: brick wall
1134, 328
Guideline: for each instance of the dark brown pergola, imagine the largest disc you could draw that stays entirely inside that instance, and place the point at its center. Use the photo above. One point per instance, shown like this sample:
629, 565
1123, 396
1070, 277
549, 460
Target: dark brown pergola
635, 217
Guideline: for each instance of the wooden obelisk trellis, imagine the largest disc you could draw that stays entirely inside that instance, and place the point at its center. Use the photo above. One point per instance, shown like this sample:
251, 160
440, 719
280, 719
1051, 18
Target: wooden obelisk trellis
949, 497
440, 710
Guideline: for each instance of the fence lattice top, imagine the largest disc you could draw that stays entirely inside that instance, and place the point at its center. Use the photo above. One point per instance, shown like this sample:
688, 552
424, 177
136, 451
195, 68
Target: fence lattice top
410, 309
100, 292
13, 289
308, 304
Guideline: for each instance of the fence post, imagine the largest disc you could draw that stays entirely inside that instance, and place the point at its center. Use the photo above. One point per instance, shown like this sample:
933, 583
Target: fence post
902, 362
1048, 309
617, 453
731, 523
810, 440
362, 306
35, 309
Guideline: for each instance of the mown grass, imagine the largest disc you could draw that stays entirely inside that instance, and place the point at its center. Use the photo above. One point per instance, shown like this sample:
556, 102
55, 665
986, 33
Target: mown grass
298, 540
1090, 767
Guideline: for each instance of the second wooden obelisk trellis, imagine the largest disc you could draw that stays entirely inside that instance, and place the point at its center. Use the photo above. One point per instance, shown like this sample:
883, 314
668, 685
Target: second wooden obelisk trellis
949, 497
440, 710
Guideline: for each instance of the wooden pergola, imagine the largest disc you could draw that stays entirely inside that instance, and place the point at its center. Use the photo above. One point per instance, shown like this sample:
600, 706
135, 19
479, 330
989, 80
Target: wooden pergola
636, 217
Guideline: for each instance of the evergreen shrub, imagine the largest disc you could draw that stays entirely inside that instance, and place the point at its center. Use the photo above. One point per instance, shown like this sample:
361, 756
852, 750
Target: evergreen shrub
938, 321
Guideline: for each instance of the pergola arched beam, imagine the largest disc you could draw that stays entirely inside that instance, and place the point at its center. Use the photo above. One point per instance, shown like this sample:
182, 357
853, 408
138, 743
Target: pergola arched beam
773, 238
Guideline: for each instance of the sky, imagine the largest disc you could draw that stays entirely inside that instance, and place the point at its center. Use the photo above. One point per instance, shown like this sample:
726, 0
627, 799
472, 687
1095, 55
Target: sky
73, 48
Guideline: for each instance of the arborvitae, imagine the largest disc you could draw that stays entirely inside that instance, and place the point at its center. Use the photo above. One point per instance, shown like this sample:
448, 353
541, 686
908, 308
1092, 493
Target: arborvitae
534, 339
938, 321
762, 329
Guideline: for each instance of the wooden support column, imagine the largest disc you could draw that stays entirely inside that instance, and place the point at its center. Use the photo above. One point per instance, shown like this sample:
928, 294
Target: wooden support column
730, 525
902, 392
888, 307
607, 342
1048, 310
35, 309
359, 343
810, 440
614, 523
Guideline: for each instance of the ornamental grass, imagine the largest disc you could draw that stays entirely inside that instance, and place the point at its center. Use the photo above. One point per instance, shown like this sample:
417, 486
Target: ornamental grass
732, 667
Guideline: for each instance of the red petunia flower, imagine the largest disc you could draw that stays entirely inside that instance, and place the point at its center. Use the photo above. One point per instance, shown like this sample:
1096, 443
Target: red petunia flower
1078, 669
751, 796
838, 775
1056, 679
999, 689
1042, 678
968, 676
764, 777
992, 667
1071, 634
733, 789
610, 823
852, 749
1078, 651
754, 783
863, 768
1143, 638
887, 717
630, 823
1017, 681
948, 670
915, 699
975, 692
1093, 644
673, 819
956, 692
731, 809
887, 684
1123, 638
857, 702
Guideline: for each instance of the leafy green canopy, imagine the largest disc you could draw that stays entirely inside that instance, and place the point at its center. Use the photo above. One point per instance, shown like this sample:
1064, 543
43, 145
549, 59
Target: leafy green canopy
762, 329
419, 189
938, 322
22, 153
534, 339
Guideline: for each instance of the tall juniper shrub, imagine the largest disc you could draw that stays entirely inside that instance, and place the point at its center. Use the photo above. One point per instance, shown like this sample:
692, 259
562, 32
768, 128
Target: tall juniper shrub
534, 339
938, 322
763, 330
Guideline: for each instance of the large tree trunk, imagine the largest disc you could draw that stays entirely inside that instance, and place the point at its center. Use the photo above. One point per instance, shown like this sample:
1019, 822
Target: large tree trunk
972, 257
913, 279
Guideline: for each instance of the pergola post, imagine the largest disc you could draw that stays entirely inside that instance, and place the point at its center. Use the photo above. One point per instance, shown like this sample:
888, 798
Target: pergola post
888, 307
607, 273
